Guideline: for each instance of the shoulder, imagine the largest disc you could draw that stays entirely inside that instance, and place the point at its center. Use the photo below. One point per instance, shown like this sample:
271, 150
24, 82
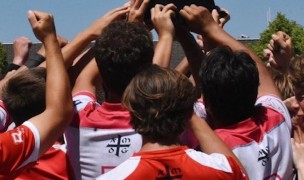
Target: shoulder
124, 170
25, 141
81, 99
5, 119
276, 104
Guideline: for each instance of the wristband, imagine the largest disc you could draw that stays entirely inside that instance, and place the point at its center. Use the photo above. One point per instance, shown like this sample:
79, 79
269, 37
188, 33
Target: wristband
10, 67
34, 61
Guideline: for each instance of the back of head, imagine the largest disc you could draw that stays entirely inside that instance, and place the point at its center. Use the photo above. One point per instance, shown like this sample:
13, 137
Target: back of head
230, 83
122, 50
24, 94
296, 72
283, 82
160, 102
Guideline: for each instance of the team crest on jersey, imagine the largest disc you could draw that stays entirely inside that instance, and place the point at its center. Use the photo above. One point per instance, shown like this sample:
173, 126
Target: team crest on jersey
169, 173
264, 156
119, 145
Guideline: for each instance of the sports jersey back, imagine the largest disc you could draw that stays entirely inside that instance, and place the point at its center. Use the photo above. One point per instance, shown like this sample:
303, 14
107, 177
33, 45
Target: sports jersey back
100, 138
54, 164
18, 148
262, 142
176, 163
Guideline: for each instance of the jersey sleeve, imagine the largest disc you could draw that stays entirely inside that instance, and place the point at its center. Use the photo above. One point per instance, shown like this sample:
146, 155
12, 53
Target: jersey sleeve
277, 105
81, 99
199, 109
18, 147
5, 119
236, 169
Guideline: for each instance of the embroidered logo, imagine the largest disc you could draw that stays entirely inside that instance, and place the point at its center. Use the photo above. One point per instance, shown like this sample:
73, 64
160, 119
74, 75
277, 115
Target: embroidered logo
264, 155
119, 145
169, 173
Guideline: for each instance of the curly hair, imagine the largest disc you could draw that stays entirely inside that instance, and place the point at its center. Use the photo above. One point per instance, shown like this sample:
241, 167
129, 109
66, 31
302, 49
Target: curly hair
24, 94
160, 102
230, 83
122, 50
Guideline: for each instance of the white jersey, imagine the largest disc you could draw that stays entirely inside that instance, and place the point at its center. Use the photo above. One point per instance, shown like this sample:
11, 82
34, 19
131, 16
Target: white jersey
100, 137
262, 143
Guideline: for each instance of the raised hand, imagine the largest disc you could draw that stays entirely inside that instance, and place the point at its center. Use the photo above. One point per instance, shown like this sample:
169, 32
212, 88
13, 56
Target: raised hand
42, 24
22, 47
221, 20
279, 51
198, 18
161, 17
96, 28
137, 10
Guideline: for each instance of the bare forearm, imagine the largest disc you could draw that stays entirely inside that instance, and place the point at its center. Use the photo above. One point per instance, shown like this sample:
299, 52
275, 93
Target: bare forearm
75, 47
58, 87
183, 66
163, 51
206, 137
194, 56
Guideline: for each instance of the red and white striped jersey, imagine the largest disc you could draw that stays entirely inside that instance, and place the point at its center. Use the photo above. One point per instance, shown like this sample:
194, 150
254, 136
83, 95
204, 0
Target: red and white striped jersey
18, 148
262, 142
100, 136
54, 164
176, 163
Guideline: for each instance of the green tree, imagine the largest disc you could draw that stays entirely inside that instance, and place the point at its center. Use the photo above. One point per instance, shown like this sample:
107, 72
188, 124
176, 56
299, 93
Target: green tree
3, 55
281, 23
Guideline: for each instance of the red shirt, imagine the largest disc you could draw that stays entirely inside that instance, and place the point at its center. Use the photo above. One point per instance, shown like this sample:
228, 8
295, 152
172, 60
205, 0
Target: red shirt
18, 148
54, 164
176, 163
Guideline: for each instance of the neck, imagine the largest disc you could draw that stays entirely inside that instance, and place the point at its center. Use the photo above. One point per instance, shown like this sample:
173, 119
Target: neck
113, 98
149, 146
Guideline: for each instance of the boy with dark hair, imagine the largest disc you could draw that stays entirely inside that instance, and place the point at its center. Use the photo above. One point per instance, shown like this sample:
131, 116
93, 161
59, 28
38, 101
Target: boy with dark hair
161, 102
241, 101
101, 137
122, 51
237, 73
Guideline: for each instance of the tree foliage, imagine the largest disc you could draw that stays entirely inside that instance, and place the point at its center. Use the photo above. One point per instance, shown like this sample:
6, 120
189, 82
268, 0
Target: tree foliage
281, 23
3, 55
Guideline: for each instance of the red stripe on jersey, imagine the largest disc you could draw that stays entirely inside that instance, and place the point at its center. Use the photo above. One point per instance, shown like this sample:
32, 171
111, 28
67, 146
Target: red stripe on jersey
252, 129
106, 116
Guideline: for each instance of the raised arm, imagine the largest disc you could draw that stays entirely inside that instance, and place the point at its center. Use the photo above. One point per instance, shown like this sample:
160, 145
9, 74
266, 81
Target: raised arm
199, 20
193, 51
58, 113
279, 52
89, 78
22, 47
80, 42
162, 19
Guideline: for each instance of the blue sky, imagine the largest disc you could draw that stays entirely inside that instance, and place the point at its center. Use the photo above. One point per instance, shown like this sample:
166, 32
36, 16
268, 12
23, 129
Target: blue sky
248, 17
